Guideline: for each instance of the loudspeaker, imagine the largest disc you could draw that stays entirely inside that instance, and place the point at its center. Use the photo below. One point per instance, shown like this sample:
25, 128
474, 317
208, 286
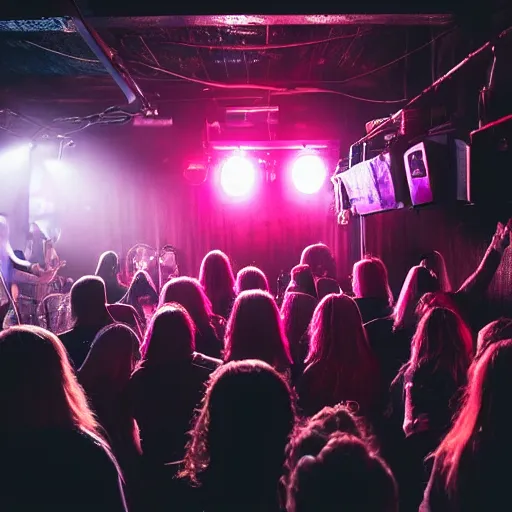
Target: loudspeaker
491, 164
437, 170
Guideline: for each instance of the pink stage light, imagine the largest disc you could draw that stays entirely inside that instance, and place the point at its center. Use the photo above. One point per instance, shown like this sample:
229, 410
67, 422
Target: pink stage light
237, 176
308, 173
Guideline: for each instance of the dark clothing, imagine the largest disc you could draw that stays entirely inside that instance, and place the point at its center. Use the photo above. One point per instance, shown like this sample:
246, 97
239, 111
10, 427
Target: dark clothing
469, 298
115, 291
372, 308
392, 348
163, 399
125, 314
317, 390
483, 483
431, 400
209, 339
78, 342
58, 471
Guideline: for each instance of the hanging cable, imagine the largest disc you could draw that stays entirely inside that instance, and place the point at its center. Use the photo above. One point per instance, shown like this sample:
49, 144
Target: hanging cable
272, 89
62, 54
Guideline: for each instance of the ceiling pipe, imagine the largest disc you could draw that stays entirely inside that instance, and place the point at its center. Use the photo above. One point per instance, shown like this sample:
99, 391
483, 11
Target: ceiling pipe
113, 64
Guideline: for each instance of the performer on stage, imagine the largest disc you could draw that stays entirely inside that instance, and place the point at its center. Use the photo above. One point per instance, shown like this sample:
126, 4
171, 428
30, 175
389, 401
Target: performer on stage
16, 273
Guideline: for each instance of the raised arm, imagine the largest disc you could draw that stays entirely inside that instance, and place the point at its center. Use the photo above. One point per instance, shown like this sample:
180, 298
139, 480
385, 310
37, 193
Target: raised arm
478, 282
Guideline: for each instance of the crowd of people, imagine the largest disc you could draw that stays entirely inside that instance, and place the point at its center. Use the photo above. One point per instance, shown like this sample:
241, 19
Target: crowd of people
212, 396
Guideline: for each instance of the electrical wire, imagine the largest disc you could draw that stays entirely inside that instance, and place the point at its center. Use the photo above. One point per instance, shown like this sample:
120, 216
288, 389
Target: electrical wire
398, 59
261, 47
62, 54
271, 89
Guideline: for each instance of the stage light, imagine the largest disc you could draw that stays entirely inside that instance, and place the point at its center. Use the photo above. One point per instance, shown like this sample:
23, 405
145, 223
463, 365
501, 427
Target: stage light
308, 173
16, 156
55, 166
237, 176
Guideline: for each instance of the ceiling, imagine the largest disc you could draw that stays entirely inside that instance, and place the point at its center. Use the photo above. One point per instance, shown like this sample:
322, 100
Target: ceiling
364, 54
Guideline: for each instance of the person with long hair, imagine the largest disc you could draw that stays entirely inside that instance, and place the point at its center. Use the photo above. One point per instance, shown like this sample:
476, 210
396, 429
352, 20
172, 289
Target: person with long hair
346, 475
255, 331
168, 384
311, 437
108, 270
441, 353
320, 260
142, 296
371, 289
237, 446
217, 278
297, 311
53, 455
471, 469
302, 281
251, 278
431, 384
104, 376
498, 330
209, 327
340, 365
467, 299
90, 314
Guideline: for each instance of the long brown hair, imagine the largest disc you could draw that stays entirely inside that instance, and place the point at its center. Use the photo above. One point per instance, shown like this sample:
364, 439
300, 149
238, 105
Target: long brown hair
38, 388
485, 412
242, 426
190, 294
370, 280
339, 349
443, 341
217, 279
419, 281
111, 360
170, 336
255, 331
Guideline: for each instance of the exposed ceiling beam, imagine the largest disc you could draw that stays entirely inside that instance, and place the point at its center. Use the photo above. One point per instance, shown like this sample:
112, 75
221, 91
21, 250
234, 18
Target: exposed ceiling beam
228, 20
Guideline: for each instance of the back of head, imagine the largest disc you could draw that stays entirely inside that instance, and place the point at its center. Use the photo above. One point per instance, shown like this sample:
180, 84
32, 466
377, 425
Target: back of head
297, 310
320, 259
190, 294
38, 388
240, 435
111, 360
216, 274
345, 475
302, 280
108, 266
418, 282
326, 286
444, 342
370, 280
498, 330
88, 301
485, 415
170, 337
311, 438
142, 286
337, 333
251, 278
433, 300
434, 262
255, 331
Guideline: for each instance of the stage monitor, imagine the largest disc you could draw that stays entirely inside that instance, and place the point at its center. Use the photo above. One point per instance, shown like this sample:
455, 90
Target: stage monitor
437, 170
369, 186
